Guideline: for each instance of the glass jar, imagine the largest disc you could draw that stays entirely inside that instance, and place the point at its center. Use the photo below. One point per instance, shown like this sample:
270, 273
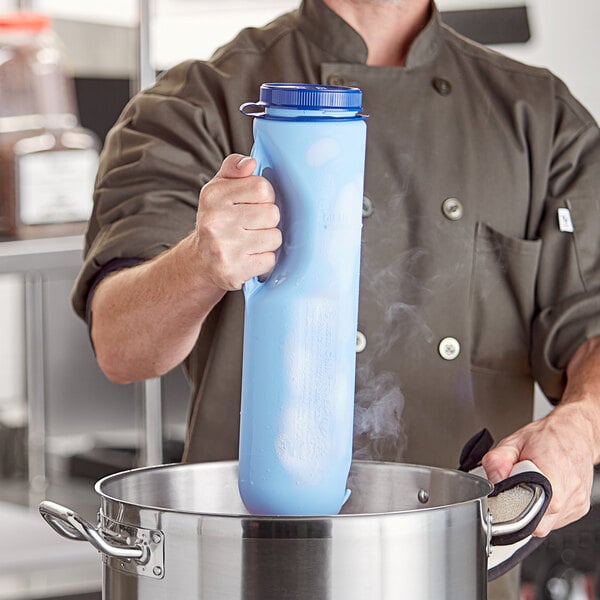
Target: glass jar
47, 161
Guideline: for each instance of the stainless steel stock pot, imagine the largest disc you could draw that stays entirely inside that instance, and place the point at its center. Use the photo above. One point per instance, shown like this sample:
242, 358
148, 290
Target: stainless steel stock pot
181, 532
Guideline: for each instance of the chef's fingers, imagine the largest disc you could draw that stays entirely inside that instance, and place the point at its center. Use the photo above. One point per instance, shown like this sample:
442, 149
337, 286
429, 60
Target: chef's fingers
571, 499
236, 224
568, 504
236, 165
262, 240
263, 263
221, 193
258, 216
253, 190
226, 208
249, 189
548, 523
498, 463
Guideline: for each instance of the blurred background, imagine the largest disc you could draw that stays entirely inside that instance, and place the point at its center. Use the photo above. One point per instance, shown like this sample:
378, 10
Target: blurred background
62, 424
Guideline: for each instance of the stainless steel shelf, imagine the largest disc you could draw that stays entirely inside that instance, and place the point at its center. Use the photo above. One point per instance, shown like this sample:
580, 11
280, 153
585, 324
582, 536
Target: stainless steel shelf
43, 254
40, 261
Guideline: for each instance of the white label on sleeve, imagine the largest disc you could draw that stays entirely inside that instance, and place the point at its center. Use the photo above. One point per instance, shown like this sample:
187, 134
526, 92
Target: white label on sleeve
564, 220
57, 186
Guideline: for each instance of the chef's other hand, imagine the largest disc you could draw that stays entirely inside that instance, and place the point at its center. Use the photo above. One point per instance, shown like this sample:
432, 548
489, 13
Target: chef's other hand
564, 445
562, 449
236, 225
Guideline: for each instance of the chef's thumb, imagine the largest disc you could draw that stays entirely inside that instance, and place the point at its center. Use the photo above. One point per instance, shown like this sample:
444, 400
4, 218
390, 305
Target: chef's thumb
498, 463
237, 165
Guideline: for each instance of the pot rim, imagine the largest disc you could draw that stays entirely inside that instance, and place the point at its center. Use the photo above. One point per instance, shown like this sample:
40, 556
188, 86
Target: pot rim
343, 516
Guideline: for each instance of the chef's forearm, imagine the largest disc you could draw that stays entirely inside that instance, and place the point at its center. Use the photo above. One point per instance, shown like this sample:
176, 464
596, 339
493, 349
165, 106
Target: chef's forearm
146, 319
583, 388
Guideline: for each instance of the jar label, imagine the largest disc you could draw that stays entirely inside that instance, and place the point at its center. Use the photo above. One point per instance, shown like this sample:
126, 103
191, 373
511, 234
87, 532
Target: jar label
57, 186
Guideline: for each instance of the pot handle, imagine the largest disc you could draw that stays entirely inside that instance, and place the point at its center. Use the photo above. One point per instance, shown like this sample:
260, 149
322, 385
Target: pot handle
529, 513
511, 541
70, 525
525, 475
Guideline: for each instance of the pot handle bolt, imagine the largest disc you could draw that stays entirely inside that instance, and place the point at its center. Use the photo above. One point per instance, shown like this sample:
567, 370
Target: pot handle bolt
423, 496
70, 525
156, 537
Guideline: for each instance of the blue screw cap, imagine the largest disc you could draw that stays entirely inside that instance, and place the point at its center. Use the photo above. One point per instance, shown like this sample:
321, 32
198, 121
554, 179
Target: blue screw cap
309, 96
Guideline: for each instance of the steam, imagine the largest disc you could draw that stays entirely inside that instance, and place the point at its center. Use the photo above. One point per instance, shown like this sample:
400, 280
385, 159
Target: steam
399, 278
378, 429
392, 276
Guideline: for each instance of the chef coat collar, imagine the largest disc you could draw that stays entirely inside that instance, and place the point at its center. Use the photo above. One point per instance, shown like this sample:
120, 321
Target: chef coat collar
331, 33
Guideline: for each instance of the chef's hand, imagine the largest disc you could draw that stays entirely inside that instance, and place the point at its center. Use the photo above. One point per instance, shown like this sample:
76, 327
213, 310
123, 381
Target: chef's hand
146, 319
236, 232
565, 444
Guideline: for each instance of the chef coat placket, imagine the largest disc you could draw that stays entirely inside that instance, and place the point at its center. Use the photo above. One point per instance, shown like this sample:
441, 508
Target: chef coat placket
413, 292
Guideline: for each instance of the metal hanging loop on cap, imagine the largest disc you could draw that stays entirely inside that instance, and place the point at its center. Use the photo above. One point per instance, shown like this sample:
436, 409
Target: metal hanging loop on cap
248, 105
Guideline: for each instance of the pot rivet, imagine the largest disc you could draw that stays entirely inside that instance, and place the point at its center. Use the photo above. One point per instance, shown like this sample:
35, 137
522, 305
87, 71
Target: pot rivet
423, 496
156, 537
157, 571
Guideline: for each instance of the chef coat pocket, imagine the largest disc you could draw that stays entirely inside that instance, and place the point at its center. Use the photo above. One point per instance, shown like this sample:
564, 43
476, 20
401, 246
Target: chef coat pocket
502, 300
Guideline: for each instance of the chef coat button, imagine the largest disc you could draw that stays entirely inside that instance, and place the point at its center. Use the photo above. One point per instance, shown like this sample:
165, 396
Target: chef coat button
336, 80
367, 207
449, 348
442, 86
361, 341
452, 209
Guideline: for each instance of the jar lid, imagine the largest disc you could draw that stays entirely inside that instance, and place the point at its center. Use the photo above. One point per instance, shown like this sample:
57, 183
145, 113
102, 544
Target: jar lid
310, 96
28, 21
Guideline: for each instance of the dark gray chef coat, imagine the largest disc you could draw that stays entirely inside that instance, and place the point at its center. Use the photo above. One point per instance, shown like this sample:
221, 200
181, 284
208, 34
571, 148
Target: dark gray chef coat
470, 288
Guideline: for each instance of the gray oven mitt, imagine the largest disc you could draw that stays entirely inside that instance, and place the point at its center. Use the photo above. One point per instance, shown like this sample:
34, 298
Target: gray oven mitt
511, 497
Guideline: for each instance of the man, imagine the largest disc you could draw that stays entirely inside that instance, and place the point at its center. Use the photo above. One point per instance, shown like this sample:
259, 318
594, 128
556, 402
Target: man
470, 288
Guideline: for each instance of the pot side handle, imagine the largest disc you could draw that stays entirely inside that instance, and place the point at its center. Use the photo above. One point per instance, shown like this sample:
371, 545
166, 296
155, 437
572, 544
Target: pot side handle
510, 540
529, 513
525, 478
67, 523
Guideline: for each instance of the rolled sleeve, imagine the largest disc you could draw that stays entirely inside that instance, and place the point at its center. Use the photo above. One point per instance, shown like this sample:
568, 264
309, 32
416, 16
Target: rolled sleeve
568, 288
166, 145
